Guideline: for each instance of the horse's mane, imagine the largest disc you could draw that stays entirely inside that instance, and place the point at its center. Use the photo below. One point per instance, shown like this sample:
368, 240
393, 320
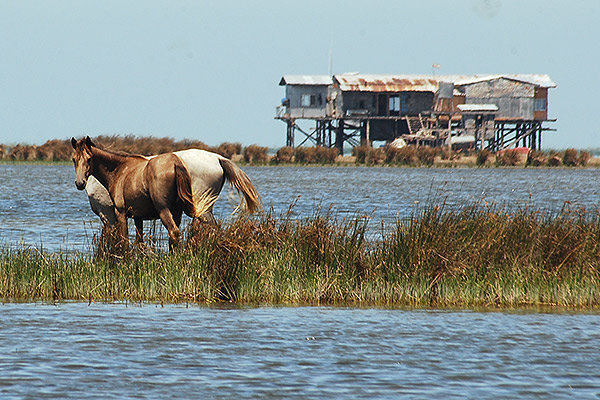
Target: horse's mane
120, 153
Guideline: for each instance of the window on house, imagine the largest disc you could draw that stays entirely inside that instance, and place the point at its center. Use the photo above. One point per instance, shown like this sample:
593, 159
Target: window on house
308, 100
404, 102
539, 104
395, 103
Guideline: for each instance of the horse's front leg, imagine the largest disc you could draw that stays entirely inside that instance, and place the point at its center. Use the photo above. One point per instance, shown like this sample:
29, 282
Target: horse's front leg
122, 229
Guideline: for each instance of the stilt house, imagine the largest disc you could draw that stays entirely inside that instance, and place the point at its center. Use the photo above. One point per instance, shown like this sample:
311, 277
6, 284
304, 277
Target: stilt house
481, 111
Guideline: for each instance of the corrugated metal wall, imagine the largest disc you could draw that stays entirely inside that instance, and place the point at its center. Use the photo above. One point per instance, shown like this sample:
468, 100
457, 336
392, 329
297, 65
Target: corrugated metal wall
514, 99
508, 107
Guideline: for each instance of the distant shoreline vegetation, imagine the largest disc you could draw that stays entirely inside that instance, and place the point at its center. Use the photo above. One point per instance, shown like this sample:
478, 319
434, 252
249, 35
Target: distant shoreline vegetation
480, 256
60, 151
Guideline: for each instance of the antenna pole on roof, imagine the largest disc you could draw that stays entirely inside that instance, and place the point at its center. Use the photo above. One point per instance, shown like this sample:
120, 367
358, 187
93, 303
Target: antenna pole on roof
331, 54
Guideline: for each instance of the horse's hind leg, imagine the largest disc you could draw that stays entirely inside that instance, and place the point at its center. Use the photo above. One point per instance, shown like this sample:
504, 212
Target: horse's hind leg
139, 230
173, 230
201, 222
206, 218
177, 217
209, 218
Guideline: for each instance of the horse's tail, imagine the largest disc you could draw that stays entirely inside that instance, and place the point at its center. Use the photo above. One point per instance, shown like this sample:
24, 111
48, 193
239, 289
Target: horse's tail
194, 205
241, 182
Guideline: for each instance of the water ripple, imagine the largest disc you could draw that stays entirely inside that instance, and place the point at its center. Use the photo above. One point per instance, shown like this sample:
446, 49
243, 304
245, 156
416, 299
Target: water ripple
113, 351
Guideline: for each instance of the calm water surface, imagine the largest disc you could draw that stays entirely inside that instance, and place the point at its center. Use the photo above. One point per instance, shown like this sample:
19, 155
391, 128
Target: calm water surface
39, 204
74, 351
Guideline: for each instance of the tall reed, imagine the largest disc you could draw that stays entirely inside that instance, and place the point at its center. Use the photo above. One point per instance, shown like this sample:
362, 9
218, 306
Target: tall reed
476, 256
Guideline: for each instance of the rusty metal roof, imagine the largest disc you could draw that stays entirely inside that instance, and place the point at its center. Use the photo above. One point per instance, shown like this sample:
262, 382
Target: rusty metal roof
426, 83
308, 80
387, 83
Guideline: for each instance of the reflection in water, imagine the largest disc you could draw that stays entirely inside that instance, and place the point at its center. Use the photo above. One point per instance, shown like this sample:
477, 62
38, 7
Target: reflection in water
40, 205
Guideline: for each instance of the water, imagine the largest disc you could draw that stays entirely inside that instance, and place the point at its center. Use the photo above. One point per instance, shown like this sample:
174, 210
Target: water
114, 351
40, 206
74, 351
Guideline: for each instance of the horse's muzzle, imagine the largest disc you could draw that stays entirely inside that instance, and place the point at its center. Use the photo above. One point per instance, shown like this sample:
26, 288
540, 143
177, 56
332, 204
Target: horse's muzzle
80, 185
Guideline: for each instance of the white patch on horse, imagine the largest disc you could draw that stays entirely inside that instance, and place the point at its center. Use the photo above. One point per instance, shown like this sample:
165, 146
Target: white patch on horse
100, 201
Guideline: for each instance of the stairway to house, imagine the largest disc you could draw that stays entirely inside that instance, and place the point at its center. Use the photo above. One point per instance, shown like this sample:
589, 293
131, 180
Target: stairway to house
415, 124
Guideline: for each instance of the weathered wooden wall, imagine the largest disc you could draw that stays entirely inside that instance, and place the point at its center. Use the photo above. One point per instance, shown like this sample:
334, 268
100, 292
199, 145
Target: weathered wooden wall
412, 103
541, 93
294, 95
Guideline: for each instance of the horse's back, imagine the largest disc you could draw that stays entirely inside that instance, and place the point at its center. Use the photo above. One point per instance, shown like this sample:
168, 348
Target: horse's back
160, 170
204, 169
209, 172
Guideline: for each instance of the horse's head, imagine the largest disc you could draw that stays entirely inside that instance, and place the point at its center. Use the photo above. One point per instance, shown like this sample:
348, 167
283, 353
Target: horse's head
82, 159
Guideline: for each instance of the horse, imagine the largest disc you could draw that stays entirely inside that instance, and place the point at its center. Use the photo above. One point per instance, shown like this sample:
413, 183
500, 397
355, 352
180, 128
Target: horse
157, 187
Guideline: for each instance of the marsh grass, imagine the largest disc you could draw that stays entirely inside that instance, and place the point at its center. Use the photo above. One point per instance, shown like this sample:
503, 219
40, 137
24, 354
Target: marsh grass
477, 256
56, 150
311, 155
255, 154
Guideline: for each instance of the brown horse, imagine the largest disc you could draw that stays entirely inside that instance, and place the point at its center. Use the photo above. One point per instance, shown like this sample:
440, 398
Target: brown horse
161, 186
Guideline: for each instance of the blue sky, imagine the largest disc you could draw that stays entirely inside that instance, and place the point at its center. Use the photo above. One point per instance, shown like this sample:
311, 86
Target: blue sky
209, 70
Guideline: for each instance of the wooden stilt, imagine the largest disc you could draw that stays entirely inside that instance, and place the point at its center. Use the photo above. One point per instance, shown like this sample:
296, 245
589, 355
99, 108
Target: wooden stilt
290, 133
339, 137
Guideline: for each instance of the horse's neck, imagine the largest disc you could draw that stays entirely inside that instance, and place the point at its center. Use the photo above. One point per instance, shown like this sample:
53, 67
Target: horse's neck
106, 165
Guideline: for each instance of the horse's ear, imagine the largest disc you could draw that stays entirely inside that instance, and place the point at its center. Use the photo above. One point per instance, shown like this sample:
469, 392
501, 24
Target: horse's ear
73, 142
89, 142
